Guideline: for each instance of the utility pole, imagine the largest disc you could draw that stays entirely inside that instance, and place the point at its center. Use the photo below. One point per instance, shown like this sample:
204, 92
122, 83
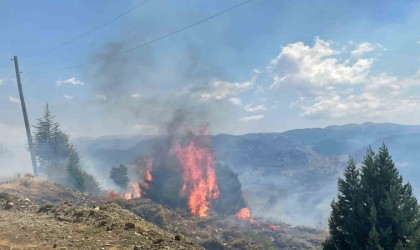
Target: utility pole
25, 117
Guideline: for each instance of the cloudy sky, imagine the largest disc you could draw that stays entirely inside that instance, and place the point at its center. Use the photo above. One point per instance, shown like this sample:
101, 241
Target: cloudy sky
268, 65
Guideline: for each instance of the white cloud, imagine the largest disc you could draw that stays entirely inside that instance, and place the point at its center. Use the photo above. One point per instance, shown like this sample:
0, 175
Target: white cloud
255, 108
362, 49
220, 90
316, 66
14, 100
70, 81
135, 95
68, 97
327, 87
251, 118
235, 101
383, 97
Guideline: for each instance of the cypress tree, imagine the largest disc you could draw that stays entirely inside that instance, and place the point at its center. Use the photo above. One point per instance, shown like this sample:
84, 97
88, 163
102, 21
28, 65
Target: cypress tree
374, 208
345, 211
57, 157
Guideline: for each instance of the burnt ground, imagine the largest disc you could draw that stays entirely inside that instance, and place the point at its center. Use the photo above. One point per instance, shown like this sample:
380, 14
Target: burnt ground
36, 214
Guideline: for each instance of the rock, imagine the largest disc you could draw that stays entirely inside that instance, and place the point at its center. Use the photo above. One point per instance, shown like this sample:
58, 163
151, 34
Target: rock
213, 244
136, 248
101, 223
158, 241
129, 225
9, 205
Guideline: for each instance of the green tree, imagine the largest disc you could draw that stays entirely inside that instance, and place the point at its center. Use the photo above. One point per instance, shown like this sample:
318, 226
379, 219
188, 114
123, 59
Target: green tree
119, 176
45, 130
346, 211
374, 208
57, 157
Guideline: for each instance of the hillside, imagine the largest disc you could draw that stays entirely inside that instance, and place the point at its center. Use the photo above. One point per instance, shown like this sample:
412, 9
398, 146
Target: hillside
28, 222
282, 174
79, 221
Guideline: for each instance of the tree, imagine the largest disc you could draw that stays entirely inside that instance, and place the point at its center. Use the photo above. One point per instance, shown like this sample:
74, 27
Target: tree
374, 208
119, 176
346, 211
45, 130
57, 157
230, 198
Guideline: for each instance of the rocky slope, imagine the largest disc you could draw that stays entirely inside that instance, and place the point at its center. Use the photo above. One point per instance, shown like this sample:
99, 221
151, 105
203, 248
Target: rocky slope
36, 214
25, 224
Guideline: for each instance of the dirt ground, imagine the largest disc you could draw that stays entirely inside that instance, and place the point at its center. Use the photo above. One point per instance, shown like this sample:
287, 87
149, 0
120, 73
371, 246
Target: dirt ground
37, 214
24, 225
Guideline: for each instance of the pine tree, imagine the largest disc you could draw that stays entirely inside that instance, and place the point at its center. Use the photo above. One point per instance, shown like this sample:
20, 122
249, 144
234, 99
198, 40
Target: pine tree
345, 211
57, 157
373, 240
397, 209
43, 140
374, 208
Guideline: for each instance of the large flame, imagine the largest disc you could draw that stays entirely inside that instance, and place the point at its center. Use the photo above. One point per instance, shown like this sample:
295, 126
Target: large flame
199, 174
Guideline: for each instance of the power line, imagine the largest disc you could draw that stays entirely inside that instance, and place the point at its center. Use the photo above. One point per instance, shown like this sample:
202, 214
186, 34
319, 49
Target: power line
149, 42
88, 32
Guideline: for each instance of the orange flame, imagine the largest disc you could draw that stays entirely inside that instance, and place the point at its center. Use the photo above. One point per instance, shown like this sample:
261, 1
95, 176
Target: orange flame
199, 174
147, 176
133, 191
148, 173
245, 214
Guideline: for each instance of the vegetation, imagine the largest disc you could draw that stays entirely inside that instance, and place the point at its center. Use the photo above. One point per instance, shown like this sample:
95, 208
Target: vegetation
230, 199
57, 157
119, 176
374, 208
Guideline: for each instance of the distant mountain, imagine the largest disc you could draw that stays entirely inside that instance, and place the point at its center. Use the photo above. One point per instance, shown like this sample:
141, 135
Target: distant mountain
290, 175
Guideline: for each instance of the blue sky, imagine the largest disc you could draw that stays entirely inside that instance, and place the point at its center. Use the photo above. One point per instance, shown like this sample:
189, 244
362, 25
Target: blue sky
266, 66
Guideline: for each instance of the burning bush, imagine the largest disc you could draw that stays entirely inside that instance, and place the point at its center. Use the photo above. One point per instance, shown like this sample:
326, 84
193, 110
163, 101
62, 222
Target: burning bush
181, 173
230, 200
184, 174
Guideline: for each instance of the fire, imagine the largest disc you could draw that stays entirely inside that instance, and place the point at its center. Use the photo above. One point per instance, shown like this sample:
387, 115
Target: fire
245, 214
148, 174
199, 173
134, 191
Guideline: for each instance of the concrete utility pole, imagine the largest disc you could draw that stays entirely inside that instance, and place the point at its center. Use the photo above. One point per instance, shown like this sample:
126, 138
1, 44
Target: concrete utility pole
25, 117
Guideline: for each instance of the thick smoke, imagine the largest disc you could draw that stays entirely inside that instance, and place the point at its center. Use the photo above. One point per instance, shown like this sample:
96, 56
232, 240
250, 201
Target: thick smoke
138, 88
